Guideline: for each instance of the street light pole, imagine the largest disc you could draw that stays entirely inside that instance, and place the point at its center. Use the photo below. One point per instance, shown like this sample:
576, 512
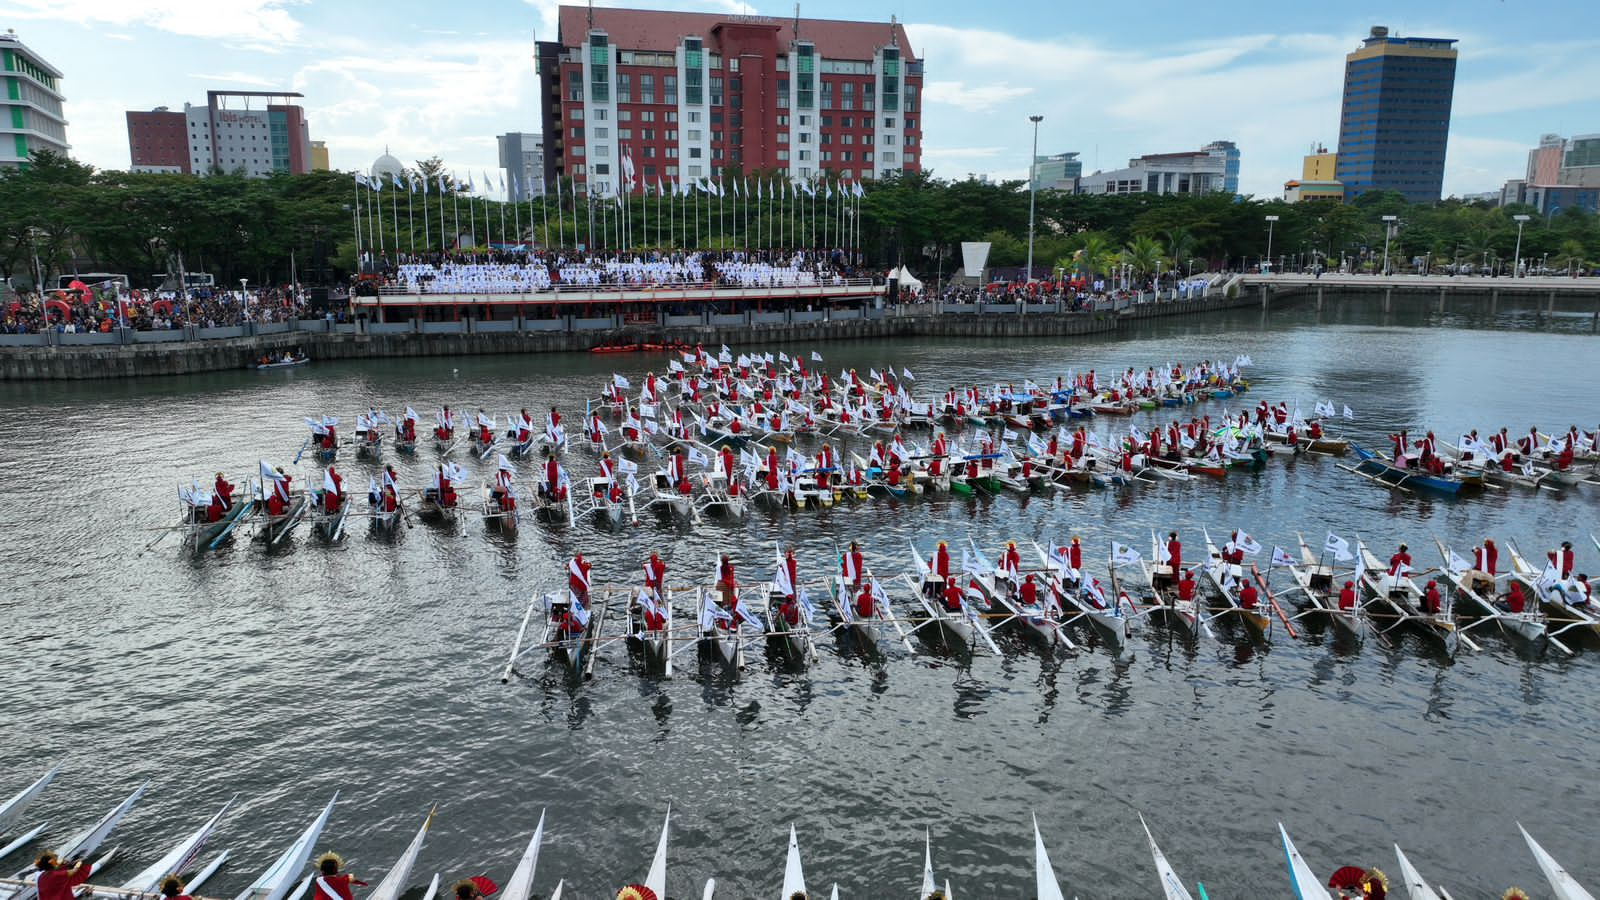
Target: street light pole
1516, 262
1388, 232
1271, 222
1033, 183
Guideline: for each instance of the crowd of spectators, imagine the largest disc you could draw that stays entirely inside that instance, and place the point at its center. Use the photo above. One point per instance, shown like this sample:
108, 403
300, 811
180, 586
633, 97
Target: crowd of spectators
501, 272
106, 309
1074, 295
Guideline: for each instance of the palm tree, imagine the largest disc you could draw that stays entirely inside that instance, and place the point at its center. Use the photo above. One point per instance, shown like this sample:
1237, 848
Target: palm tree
1143, 256
1181, 243
1095, 256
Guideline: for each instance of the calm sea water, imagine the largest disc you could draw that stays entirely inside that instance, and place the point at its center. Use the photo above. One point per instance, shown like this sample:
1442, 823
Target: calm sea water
370, 667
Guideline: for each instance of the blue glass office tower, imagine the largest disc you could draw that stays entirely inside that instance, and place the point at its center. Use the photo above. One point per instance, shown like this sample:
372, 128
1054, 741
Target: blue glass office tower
1396, 116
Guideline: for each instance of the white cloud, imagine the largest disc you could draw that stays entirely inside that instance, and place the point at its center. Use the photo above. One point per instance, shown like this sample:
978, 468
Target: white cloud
217, 79
250, 20
975, 98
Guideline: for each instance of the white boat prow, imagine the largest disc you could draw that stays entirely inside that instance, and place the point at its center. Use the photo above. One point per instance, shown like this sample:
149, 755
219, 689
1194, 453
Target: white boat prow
794, 876
656, 878
520, 885
1305, 883
928, 884
1561, 881
275, 882
12, 811
178, 859
394, 883
1044, 874
1171, 885
711, 888
834, 894
1416, 888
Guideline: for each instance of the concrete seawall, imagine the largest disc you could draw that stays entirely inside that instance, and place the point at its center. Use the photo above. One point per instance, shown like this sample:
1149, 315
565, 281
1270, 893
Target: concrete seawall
190, 357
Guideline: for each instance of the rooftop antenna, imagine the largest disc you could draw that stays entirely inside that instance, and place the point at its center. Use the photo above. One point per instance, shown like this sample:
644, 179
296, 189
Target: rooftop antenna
797, 22
591, 15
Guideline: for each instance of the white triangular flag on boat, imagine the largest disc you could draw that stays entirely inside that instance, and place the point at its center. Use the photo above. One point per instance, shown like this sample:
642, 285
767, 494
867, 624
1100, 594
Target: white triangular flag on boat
815, 356
906, 373
1457, 564
1281, 558
1123, 555
620, 382
695, 456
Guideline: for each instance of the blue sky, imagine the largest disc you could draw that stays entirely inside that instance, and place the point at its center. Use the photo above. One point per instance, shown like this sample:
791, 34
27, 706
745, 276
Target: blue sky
1112, 81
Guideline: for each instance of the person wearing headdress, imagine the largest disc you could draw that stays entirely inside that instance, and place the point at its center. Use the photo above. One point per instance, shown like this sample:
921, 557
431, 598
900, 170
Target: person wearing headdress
332, 491
57, 880
1174, 551
221, 498
172, 888
330, 883
278, 501
637, 892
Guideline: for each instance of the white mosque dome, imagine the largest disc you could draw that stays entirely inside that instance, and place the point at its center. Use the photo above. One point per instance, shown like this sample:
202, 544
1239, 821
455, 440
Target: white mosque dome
387, 165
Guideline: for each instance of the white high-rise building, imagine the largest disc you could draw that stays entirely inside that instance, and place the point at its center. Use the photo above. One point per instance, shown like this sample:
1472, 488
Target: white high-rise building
522, 159
32, 119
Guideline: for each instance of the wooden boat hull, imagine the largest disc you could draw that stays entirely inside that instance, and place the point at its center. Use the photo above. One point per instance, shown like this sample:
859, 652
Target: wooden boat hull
207, 536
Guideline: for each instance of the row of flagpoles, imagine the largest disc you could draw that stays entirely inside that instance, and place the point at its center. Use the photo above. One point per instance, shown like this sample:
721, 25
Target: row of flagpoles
746, 212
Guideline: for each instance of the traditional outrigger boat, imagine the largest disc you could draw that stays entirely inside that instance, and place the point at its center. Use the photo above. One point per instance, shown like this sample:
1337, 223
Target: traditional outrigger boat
1314, 577
327, 525
577, 651
1583, 622
273, 529
1377, 467
1306, 884
1069, 587
1226, 578
794, 644
929, 885
654, 644
1529, 625
201, 534
289, 363
495, 515
1184, 615
955, 632
1402, 599
721, 631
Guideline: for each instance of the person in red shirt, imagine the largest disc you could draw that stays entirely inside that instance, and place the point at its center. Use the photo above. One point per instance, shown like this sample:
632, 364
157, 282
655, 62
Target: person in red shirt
578, 570
330, 883
1562, 559
57, 880
852, 565
221, 499
1186, 587
1347, 595
333, 498
1029, 594
655, 575
1247, 596
1174, 551
941, 561
1430, 598
952, 595
866, 604
1515, 601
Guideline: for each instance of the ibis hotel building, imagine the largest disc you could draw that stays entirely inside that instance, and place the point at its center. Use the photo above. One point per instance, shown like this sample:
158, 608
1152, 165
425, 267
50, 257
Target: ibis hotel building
236, 131
686, 96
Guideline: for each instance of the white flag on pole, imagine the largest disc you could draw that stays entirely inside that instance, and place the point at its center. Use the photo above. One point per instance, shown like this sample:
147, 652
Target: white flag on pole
1123, 555
1338, 546
1281, 558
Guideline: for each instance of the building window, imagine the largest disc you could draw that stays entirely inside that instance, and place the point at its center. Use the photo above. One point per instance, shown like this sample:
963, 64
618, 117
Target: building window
603, 151
672, 171
647, 89
649, 152
672, 115
602, 168
694, 171
805, 137
847, 97
694, 115
694, 134
577, 132
672, 153
716, 92
911, 140
623, 134
805, 154
867, 156
648, 134
847, 139
783, 156
826, 156
575, 114
669, 89
888, 140
602, 132
624, 87
847, 156
783, 137
672, 135
648, 115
